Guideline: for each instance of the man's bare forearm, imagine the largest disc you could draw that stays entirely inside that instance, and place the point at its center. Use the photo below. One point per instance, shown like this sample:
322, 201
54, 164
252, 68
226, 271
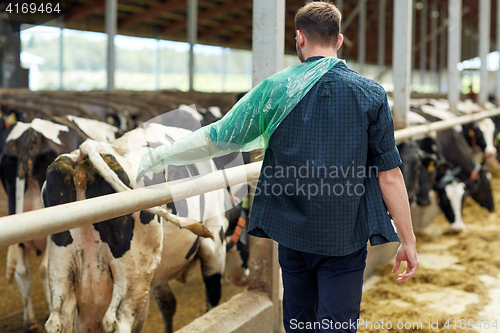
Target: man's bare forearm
396, 199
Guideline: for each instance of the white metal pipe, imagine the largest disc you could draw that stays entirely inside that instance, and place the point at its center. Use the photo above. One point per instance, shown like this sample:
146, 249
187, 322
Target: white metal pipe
381, 38
353, 14
268, 39
340, 7
423, 50
498, 50
413, 37
410, 132
454, 52
111, 26
484, 47
401, 60
41, 223
434, 46
362, 39
61, 63
268, 54
442, 53
192, 32
158, 64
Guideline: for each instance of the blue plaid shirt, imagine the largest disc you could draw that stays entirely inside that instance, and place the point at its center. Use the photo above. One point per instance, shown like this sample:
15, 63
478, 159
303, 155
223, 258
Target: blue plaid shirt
318, 190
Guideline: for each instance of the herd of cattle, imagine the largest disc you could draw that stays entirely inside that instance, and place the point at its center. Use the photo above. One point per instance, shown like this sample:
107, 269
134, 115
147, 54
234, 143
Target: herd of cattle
61, 147
97, 278
442, 169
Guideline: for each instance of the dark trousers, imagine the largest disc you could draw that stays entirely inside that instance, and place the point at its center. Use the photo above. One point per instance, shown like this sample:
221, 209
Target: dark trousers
321, 293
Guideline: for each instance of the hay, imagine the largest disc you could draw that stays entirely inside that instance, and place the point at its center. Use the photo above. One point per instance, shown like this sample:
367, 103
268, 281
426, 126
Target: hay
457, 287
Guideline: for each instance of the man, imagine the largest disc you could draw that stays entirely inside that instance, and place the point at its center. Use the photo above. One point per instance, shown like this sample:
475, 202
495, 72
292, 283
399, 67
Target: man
329, 167
344, 121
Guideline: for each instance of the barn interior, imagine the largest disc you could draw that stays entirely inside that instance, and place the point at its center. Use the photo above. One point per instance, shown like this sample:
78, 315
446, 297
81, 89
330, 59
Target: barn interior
401, 43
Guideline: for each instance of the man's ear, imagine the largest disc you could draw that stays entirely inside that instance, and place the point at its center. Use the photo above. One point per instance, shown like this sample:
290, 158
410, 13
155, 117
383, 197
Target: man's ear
301, 38
339, 42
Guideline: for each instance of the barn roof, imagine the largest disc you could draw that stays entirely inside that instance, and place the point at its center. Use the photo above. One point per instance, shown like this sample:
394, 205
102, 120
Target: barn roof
229, 23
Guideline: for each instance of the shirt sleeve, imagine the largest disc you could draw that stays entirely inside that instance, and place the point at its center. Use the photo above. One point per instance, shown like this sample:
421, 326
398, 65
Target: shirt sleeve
383, 152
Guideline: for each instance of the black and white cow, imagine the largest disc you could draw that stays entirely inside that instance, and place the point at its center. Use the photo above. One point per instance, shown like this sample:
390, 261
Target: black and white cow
435, 192
121, 258
410, 167
28, 150
456, 151
479, 134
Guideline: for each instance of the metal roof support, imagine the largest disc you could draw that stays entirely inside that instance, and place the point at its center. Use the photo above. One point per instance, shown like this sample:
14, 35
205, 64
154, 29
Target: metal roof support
268, 36
158, 64
61, 64
413, 40
434, 51
423, 51
111, 22
442, 54
484, 47
401, 60
454, 52
340, 7
268, 53
498, 49
192, 32
381, 39
362, 38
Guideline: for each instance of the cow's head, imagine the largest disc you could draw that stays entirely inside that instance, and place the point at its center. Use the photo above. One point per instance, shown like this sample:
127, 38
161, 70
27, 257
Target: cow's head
7, 122
450, 192
474, 136
411, 166
427, 178
479, 186
237, 248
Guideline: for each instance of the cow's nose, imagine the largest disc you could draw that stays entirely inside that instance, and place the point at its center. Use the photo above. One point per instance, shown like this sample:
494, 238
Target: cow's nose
490, 153
423, 202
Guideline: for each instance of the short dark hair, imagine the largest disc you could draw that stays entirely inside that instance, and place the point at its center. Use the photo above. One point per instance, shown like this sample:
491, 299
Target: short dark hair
320, 22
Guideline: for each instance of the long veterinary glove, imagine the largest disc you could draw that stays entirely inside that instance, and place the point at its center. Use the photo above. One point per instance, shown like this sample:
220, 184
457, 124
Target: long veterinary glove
192, 148
150, 161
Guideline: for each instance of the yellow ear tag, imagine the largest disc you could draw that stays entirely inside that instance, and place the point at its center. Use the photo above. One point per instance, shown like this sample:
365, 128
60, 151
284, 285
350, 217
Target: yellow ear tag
11, 120
471, 133
431, 167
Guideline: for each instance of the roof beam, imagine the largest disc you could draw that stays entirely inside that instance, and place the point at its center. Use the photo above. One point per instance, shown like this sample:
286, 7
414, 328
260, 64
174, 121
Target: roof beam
152, 12
241, 36
226, 8
239, 21
353, 14
83, 11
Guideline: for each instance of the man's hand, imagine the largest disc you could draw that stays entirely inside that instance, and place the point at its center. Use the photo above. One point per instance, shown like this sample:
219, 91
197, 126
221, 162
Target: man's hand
406, 253
395, 197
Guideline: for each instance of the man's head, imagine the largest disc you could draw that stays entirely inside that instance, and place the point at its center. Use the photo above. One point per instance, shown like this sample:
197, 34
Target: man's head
317, 25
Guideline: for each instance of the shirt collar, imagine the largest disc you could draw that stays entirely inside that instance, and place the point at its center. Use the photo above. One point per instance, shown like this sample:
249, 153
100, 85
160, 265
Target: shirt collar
313, 58
342, 61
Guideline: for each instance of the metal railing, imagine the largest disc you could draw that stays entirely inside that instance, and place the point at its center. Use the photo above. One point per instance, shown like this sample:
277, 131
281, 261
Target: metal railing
41, 223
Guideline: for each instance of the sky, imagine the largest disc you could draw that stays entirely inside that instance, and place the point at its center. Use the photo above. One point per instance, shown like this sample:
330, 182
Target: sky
138, 43
124, 42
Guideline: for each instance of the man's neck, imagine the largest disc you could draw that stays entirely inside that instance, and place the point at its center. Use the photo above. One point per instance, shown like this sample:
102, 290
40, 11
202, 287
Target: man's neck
320, 52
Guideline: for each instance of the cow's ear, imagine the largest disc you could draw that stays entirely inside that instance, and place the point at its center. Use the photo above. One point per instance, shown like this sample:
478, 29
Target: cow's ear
11, 120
